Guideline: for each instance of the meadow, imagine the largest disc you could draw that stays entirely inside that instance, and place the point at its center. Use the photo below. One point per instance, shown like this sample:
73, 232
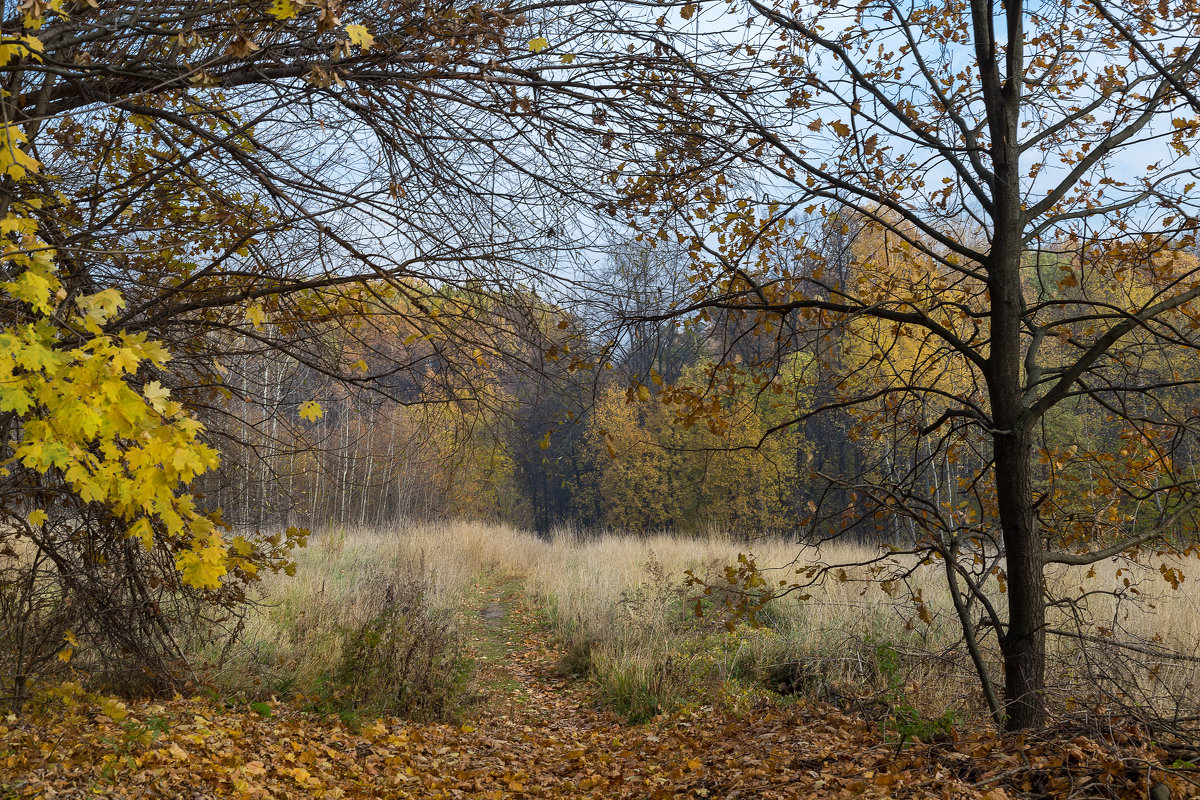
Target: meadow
380, 618
475, 660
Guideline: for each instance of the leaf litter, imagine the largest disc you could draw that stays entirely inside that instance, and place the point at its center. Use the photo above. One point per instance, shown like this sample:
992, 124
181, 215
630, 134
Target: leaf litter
547, 739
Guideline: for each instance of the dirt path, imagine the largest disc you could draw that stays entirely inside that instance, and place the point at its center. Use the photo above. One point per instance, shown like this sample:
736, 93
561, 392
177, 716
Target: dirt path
517, 665
550, 725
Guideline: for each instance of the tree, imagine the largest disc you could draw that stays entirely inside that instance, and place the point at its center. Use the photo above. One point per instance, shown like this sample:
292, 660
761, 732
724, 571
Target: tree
635, 470
218, 182
977, 138
690, 456
644, 280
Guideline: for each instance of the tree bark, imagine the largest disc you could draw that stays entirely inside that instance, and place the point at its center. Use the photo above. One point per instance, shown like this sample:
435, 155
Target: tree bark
1024, 643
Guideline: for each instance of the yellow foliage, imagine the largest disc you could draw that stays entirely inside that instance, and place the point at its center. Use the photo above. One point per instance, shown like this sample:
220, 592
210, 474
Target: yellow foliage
360, 36
14, 161
81, 419
311, 410
284, 9
659, 469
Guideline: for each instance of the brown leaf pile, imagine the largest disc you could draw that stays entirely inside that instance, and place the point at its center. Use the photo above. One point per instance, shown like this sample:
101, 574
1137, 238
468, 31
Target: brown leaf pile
796, 752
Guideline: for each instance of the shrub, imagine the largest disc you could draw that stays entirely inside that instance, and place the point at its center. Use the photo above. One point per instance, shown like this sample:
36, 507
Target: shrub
85, 600
407, 659
904, 719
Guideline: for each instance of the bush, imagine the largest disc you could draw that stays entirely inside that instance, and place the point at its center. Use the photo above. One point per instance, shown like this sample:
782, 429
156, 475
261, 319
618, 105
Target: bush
82, 599
904, 719
408, 659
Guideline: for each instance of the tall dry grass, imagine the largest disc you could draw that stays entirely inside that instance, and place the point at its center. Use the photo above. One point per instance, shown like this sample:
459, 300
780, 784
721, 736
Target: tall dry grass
621, 607
371, 619
618, 598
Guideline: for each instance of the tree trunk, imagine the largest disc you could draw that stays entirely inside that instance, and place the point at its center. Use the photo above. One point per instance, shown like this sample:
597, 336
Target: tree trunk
1024, 643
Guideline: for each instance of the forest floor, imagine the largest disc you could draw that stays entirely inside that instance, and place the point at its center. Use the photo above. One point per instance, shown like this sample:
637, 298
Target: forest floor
536, 733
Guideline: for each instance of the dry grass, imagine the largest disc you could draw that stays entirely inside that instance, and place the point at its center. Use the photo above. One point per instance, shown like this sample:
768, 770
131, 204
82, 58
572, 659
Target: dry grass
358, 596
620, 605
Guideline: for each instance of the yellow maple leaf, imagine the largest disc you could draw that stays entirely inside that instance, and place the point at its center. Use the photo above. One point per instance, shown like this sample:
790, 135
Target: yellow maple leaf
154, 352
34, 46
101, 306
14, 398
65, 654
14, 161
284, 9
311, 410
204, 565
256, 315
33, 288
157, 394
359, 35
125, 359
538, 45
114, 709
35, 356
37, 517
141, 530
15, 224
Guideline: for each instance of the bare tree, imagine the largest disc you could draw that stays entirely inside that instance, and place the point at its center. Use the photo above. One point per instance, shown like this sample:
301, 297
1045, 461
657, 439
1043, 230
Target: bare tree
978, 140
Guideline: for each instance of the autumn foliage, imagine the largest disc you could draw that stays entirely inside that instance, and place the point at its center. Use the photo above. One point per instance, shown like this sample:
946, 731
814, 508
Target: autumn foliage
104, 548
874, 272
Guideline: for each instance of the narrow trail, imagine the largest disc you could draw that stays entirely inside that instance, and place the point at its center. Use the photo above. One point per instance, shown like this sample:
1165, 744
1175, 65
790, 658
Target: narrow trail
536, 734
805, 750
517, 665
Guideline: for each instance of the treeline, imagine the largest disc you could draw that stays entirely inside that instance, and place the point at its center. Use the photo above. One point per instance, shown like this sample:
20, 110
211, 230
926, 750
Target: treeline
551, 416
534, 421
